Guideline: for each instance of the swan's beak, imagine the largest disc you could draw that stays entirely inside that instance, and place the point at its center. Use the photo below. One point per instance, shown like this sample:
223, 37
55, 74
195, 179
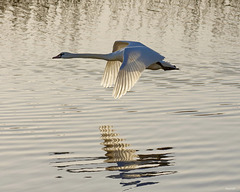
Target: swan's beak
57, 57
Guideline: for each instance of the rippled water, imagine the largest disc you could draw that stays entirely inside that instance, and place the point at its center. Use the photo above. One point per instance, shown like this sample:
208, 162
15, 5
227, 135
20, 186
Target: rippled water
174, 131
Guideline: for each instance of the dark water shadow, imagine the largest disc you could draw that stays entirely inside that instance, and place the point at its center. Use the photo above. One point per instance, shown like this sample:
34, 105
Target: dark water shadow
121, 162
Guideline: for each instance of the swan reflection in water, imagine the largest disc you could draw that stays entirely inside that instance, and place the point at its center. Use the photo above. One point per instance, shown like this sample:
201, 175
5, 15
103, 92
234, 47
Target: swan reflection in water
125, 163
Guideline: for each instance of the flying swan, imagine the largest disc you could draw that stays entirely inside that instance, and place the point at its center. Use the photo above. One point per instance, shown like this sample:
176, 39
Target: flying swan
125, 64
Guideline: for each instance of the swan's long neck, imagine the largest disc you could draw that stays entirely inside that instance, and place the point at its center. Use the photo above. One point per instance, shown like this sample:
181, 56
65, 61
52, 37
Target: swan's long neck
115, 56
107, 57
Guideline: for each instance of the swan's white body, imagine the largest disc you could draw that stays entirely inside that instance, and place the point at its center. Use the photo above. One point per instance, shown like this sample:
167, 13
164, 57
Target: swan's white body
125, 64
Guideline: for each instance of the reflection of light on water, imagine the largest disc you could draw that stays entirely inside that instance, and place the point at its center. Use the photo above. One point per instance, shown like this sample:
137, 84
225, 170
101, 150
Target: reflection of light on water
127, 159
116, 151
124, 162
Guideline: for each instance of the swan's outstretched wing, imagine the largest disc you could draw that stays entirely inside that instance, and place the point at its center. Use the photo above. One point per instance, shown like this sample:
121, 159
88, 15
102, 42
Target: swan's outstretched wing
112, 67
136, 59
129, 73
110, 73
123, 44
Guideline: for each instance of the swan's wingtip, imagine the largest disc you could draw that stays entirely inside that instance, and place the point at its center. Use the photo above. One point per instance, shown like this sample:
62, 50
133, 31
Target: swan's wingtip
116, 95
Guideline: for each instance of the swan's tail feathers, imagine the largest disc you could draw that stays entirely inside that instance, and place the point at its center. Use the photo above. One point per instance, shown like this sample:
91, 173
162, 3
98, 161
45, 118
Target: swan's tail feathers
167, 66
110, 73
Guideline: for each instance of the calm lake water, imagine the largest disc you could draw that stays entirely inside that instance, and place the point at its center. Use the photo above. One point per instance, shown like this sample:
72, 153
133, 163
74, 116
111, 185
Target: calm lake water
174, 131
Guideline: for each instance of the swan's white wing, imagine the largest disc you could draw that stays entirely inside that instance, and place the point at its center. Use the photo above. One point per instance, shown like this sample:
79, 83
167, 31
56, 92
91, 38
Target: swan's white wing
112, 67
119, 45
136, 59
129, 73
122, 44
110, 73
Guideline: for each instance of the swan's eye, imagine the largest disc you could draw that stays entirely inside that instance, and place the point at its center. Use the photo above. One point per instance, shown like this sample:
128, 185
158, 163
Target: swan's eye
60, 55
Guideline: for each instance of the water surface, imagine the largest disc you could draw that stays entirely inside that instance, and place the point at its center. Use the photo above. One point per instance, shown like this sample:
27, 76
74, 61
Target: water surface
174, 131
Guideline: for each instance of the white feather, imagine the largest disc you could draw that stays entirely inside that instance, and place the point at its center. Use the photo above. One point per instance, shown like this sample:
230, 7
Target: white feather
110, 73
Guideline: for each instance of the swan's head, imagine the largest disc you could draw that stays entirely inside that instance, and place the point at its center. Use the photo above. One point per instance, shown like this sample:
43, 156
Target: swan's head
63, 55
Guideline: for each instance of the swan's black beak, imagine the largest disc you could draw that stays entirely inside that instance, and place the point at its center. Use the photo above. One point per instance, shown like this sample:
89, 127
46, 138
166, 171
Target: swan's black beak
58, 56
